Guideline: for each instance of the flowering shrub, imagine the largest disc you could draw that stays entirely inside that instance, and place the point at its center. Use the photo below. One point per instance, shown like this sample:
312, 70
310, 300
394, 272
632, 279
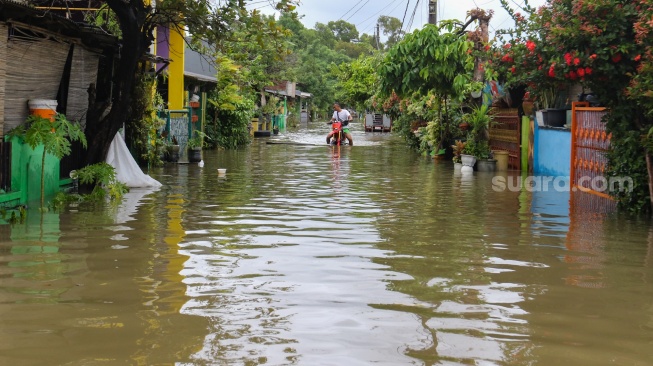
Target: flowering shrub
605, 45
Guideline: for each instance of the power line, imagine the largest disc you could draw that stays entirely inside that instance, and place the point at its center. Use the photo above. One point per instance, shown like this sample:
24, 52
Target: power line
374, 24
352, 8
357, 10
412, 17
405, 11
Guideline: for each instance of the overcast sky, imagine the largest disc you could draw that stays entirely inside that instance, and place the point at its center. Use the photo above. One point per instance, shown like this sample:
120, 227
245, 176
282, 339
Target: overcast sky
414, 14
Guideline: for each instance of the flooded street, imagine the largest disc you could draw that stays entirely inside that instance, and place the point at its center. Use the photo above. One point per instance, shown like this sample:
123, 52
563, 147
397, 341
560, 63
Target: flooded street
313, 255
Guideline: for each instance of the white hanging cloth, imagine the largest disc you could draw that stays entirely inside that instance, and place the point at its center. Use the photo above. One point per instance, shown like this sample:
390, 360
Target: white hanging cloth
127, 170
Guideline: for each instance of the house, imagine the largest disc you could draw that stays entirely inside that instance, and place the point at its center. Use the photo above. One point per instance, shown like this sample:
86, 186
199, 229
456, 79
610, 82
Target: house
49, 57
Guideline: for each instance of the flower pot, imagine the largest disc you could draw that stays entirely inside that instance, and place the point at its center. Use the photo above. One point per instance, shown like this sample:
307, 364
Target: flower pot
468, 160
194, 155
173, 153
486, 165
502, 159
457, 166
555, 117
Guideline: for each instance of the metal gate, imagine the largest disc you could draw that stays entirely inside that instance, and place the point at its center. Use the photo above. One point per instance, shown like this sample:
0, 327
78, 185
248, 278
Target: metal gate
505, 134
589, 143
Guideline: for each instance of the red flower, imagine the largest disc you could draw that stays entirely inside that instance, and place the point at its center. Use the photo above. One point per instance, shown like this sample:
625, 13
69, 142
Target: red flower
506, 46
487, 47
552, 72
593, 56
513, 70
568, 58
573, 75
616, 57
581, 72
530, 45
576, 61
638, 57
588, 71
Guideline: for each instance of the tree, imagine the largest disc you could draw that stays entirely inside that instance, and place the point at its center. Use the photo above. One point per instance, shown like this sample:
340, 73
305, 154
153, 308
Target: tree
138, 20
392, 29
358, 80
433, 60
343, 31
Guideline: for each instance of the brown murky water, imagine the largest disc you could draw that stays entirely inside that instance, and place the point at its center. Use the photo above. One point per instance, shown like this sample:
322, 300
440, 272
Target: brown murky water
302, 255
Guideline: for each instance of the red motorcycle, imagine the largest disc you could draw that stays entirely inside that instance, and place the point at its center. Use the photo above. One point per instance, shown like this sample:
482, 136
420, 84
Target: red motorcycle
338, 135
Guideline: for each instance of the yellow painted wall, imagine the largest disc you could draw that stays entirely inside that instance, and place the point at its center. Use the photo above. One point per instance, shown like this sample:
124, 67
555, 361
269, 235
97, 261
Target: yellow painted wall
176, 71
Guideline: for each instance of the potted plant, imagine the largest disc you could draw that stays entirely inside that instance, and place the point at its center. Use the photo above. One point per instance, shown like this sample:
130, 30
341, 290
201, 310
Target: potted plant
478, 137
195, 145
458, 149
172, 149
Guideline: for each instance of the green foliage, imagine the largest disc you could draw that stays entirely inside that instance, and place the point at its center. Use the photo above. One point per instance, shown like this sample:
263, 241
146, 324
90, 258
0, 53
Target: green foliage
143, 126
230, 127
358, 81
104, 18
11, 217
392, 28
198, 140
433, 59
479, 149
55, 136
103, 178
343, 31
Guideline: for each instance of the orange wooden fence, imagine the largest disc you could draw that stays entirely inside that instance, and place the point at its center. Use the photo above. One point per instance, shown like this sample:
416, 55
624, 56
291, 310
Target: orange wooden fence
589, 144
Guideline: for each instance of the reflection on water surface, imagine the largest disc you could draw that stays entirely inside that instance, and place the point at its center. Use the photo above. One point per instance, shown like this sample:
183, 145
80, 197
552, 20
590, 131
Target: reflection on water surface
311, 255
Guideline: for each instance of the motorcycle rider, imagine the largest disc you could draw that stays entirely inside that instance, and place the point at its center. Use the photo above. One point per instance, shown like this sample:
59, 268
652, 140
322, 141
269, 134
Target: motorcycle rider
342, 115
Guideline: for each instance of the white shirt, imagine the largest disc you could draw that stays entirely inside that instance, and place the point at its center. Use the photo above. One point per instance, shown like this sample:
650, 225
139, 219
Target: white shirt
341, 116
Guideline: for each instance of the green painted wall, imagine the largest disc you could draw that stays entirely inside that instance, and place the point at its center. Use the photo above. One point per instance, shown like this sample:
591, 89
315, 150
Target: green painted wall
26, 175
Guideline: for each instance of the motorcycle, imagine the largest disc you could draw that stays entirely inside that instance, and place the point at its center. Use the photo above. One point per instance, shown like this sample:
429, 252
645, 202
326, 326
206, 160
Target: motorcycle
338, 134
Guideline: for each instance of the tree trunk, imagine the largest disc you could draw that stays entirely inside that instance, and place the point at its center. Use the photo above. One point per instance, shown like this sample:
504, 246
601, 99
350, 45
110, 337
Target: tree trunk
105, 118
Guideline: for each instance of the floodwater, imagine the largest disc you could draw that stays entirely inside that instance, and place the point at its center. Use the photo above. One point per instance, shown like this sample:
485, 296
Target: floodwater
312, 255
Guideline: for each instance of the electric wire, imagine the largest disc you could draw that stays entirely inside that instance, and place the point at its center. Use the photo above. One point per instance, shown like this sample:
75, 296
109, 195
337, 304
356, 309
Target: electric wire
352, 8
358, 10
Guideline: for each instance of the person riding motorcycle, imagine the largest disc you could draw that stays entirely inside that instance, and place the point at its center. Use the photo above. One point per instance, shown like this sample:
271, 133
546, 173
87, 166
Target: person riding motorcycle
345, 117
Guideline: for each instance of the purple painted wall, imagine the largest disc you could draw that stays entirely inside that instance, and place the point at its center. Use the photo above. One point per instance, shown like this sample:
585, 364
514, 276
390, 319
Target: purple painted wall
162, 44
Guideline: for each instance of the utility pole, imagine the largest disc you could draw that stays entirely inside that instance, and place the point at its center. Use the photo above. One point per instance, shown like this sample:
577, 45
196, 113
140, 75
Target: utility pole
433, 11
378, 36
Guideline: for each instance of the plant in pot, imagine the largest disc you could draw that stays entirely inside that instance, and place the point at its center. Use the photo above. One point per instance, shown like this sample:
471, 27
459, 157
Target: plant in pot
479, 135
195, 145
458, 149
172, 149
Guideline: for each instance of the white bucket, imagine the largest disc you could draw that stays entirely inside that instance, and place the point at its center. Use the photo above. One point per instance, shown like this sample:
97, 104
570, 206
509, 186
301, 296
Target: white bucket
45, 108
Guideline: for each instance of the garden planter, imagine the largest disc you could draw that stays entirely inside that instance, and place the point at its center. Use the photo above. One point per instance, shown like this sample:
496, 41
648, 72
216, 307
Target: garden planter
194, 155
468, 160
173, 153
551, 117
486, 165
502, 159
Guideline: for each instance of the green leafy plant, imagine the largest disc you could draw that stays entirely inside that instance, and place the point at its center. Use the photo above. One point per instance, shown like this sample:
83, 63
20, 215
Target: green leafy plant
198, 141
103, 178
55, 136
